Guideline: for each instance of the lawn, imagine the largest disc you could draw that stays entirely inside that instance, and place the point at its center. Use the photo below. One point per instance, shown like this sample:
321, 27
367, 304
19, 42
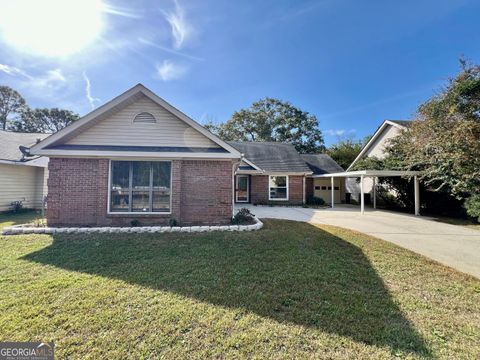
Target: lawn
291, 290
9, 219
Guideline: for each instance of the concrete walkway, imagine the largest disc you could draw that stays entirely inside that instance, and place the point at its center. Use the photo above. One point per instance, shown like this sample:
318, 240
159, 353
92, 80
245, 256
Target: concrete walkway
452, 245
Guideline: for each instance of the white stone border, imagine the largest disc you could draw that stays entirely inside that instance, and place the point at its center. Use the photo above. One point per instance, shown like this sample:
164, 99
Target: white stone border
22, 229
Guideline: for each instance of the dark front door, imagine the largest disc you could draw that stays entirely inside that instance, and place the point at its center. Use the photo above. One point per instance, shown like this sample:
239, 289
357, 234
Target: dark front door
242, 188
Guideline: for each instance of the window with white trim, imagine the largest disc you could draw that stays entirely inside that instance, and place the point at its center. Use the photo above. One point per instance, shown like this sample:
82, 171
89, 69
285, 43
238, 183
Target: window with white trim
278, 187
140, 186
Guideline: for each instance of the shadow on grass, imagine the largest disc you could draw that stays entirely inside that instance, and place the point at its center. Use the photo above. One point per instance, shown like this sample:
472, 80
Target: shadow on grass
290, 272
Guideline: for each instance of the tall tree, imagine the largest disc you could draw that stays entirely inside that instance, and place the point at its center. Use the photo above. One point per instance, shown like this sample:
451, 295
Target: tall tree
346, 150
45, 120
11, 103
273, 120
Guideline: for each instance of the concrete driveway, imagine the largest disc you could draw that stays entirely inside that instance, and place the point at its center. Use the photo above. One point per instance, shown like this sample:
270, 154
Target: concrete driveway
452, 245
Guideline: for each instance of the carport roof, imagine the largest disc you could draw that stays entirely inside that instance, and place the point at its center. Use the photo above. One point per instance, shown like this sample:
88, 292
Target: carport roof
371, 173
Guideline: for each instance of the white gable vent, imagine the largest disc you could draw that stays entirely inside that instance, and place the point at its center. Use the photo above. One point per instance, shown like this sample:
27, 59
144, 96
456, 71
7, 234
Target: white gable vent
144, 117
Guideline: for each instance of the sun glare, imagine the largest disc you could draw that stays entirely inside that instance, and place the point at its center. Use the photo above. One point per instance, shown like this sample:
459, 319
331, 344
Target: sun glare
50, 27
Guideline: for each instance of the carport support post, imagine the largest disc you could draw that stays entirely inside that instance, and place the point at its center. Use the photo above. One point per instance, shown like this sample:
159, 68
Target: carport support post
416, 187
333, 193
374, 179
362, 197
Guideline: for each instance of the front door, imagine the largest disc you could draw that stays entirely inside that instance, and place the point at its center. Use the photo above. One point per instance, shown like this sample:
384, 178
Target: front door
241, 188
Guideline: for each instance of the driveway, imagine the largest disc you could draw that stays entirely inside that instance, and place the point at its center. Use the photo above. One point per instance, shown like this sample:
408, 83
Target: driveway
451, 245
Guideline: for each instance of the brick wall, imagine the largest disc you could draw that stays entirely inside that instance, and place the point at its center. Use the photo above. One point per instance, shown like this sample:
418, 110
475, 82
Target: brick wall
259, 190
78, 194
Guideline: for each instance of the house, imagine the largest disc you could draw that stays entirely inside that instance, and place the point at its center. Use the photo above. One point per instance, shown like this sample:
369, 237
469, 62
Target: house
139, 158
21, 178
375, 147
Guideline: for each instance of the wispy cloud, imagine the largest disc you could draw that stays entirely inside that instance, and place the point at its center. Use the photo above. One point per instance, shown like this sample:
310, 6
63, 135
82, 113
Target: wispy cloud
169, 70
181, 29
14, 71
124, 12
88, 91
170, 51
340, 132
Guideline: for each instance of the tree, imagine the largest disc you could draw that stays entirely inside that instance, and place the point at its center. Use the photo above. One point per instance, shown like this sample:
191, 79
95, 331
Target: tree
273, 120
11, 102
346, 150
45, 120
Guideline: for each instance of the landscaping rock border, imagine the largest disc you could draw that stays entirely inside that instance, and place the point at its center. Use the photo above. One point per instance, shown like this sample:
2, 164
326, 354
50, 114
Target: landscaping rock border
23, 229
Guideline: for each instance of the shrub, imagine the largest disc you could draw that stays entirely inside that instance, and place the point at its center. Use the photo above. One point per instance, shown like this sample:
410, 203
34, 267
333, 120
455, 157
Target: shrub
173, 222
315, 200
16, 206
472, 205
135, 223
243, 217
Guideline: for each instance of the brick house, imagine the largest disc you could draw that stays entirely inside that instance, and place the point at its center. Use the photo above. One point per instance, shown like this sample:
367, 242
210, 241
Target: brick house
139, 158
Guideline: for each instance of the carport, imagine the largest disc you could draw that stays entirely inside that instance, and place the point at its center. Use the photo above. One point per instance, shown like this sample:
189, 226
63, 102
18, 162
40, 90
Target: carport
374, 175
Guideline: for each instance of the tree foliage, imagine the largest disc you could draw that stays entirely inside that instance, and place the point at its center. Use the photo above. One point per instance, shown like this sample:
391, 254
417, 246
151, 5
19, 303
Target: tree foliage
345, 151
44, 120
273, 120
11, 103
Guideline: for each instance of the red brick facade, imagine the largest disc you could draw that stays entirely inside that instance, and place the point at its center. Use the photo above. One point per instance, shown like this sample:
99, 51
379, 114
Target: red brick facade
78, 194
259, 190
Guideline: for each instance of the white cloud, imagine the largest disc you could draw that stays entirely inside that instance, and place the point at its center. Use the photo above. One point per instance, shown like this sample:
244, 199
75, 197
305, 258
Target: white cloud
13, 71
340, 132
51, 79
88, 91
174, 52
180, 27
168, 70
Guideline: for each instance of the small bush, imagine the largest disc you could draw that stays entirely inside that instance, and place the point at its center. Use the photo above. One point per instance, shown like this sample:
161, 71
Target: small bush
316, 201
472, 205
135, 223
243, 217
16, 206
173, 222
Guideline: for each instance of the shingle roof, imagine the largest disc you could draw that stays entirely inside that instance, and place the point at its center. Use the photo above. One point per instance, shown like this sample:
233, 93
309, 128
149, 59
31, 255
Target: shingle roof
321, 164
10, 142
272, 156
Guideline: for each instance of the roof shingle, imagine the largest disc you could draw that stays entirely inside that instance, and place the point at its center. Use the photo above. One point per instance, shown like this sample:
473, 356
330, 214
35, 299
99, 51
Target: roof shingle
10, 142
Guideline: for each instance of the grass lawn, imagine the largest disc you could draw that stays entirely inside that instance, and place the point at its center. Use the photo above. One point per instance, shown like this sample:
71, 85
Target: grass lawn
291, 290
9, 219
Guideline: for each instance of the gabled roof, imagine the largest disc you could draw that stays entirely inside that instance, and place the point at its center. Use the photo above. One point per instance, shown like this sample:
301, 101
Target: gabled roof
272, 157
10, 143
401, 124
321, 164
47, 146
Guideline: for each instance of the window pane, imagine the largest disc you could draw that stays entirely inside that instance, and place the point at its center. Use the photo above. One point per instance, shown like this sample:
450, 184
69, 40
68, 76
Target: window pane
141, 186
120, 182
278, 181
278, 193
161, 186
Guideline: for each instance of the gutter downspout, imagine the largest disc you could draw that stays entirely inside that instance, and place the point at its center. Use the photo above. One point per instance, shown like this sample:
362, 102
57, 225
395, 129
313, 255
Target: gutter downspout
234, 168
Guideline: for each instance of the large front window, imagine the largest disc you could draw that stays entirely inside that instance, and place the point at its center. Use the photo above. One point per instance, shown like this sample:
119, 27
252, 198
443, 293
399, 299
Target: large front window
140, 186
278, 187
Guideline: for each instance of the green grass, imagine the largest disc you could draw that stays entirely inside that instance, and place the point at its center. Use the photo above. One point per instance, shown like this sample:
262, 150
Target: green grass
291, 290
9, 219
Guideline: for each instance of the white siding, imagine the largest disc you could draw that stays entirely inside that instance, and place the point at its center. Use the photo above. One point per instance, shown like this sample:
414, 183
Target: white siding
20, 182
377, 149
119, 129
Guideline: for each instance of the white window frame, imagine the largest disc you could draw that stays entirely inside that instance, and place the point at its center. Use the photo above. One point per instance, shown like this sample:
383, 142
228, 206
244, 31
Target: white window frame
127, 213
269, 194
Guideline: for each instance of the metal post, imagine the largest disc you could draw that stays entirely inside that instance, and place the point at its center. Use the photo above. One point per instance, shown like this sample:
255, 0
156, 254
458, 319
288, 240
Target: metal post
362, 198
416, 186
374, 192
333, 193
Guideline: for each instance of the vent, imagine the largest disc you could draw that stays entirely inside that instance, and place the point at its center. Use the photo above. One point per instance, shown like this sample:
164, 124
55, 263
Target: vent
144, 117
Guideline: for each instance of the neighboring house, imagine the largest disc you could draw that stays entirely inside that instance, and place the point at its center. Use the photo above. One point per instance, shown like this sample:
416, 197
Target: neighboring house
275, 173
21, 178
139, 158
375, 147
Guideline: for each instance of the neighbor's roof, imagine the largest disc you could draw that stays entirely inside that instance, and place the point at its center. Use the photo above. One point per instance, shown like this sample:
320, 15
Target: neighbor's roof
321, 164
272, 156
404, 123
11, 141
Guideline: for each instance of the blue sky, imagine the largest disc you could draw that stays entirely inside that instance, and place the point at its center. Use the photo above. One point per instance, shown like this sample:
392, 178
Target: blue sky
351, 63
